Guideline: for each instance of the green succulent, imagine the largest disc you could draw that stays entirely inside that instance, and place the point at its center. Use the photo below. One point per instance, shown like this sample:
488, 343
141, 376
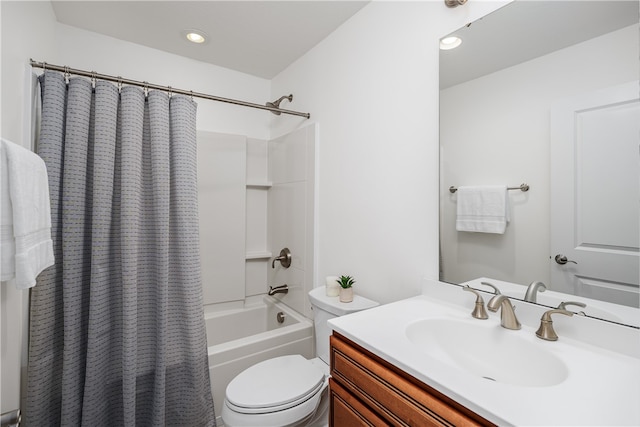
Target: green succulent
346, 281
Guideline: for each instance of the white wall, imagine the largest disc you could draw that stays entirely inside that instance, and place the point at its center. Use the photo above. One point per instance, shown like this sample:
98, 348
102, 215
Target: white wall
257, 244
515, 148
291, 213
91, 51
26, 30
372, 85
222, 160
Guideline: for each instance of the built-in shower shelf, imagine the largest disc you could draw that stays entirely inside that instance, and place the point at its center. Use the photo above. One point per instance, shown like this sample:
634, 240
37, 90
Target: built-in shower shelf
259, 185
258, 255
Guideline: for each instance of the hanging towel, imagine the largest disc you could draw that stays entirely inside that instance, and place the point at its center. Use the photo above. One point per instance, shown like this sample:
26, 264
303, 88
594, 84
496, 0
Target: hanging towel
25, 224
483, 209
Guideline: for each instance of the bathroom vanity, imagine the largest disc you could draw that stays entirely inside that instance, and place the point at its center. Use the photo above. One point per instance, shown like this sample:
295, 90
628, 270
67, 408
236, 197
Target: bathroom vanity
427, 361
367, 390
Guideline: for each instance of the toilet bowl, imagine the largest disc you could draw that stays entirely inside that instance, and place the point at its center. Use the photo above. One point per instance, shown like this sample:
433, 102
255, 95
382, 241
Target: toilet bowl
289, 390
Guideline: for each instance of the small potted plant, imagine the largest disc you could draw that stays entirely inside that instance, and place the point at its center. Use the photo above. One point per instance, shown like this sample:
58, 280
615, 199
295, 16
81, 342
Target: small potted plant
346, 289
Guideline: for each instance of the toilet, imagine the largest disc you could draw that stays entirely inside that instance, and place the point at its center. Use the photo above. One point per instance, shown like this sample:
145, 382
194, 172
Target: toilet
290, 390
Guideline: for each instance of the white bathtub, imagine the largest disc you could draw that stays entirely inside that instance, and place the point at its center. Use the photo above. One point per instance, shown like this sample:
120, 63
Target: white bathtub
239, 338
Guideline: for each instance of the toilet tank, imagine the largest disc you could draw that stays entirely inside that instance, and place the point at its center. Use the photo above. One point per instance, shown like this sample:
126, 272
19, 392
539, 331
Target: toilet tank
325, 308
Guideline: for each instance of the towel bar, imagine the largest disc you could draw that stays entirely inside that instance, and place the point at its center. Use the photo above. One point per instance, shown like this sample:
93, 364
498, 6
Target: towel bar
521, 187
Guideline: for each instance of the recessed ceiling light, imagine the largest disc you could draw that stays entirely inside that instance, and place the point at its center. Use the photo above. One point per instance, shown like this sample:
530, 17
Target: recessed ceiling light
195, 36
448, 43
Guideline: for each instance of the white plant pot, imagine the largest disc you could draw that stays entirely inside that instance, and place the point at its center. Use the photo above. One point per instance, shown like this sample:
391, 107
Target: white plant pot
346, 294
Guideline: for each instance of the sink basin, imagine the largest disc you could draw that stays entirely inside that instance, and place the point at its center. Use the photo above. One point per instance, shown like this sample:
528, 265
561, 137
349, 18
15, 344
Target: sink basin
488, 351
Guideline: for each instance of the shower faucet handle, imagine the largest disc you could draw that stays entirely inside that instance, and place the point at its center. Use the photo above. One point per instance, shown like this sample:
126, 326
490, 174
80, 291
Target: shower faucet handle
284, 258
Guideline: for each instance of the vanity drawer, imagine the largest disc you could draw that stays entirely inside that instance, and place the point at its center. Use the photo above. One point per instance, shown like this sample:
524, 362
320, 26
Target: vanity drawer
347, 410
397, 397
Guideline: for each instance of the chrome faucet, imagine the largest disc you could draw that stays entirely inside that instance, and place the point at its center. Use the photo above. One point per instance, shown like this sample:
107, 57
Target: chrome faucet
282, 289
508, 317
546, 331
478, 312
532, 290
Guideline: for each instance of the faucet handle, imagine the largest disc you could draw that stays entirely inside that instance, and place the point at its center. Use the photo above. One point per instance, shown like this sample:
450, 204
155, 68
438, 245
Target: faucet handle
478, 312
546, 331
496, 291
284, 258
563, 305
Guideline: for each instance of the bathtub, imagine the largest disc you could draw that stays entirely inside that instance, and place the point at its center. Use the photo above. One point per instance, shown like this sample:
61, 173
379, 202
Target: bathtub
239, 338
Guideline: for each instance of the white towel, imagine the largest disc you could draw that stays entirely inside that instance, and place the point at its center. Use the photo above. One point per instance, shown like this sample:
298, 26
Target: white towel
25, 221
483, 209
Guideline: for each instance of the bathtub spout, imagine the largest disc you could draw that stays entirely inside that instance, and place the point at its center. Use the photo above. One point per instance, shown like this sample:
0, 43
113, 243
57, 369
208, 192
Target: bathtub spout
282, 289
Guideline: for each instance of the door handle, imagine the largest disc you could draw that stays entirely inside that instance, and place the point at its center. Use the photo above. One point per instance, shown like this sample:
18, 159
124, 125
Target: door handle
562, 260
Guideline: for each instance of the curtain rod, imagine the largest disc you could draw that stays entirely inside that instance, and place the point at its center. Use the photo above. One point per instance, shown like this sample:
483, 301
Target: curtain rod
147, 85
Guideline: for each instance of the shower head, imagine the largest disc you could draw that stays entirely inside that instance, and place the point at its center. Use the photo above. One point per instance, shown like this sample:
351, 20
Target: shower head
276, 104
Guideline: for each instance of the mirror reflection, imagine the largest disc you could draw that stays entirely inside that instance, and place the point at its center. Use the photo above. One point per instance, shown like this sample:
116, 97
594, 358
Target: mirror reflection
546, 93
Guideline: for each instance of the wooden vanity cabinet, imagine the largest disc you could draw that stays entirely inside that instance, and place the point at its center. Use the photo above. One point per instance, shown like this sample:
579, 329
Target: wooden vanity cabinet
365, 390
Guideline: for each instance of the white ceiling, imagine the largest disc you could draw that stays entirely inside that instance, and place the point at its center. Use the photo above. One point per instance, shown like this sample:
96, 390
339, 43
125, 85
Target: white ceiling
260, 38
523, 30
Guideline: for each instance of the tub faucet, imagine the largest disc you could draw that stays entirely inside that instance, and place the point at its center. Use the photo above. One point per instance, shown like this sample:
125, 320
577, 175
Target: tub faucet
532, 290
508, 318
282, 289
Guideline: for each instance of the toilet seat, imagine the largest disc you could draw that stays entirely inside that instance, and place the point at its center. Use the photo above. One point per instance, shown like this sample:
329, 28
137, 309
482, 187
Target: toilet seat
274, 385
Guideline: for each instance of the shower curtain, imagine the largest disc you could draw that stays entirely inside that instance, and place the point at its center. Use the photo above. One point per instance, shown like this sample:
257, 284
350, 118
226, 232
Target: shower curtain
117, 332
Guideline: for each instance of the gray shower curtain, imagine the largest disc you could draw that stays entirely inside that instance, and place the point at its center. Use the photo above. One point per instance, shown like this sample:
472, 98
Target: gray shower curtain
117, 330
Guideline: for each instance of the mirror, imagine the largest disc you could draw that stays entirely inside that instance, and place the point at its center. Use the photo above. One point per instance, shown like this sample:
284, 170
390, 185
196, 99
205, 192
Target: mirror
503, 93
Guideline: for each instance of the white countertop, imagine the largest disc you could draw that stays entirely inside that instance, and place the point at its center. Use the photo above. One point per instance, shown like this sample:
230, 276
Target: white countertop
602, 388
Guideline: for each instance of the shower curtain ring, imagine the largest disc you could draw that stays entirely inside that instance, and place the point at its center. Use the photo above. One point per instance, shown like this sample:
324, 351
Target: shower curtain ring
44, 67
93, 79
66, 74
146, 89
170, 91
119, 84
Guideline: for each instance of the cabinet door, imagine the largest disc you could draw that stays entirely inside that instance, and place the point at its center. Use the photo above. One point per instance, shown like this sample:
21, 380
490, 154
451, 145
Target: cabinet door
347, 411
392, 394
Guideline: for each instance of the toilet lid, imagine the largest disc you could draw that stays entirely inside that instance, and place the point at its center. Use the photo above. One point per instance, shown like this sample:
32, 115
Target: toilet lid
279, 383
